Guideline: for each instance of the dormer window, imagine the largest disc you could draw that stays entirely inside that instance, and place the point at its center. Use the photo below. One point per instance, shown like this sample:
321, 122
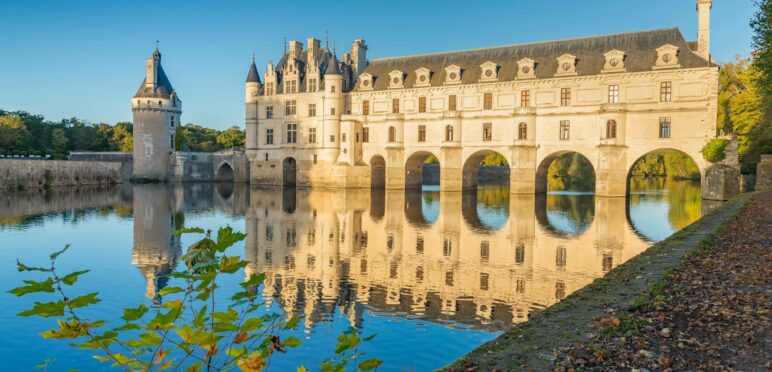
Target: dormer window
366, 81
566, 65
489, 71
615, 61
526, 68
423, 77
396, 79
453, 74
667, 57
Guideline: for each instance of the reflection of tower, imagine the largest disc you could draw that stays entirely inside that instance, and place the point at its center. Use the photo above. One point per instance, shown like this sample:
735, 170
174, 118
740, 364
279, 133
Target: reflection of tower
522, 230
156, 248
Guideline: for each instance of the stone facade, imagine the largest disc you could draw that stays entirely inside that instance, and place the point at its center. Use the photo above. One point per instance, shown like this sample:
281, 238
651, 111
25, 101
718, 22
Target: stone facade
33, 174
319, 122
764, 173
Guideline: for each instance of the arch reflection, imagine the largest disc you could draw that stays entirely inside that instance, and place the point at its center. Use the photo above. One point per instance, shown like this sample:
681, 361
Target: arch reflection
565, 214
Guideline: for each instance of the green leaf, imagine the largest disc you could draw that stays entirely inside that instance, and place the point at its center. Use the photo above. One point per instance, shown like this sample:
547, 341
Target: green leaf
22, 267
251, 324
231, 264
189, 230
56, 254
186, 333
370, 337
254, 279
370, 364
130, 314
163, 320
43, 364
291, 341
169, 290
34, 287
226, 238
71, 278
127, 327
292, 323
47, 309
200, 318
226, 316
85, 300
145, 339
302, 368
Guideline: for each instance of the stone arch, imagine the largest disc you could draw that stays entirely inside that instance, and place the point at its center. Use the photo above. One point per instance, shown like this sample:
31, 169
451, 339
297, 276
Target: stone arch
289, 171
565, 215
224, 172
486, 210
543, 169
414, 169
472, 166
422, 208
377, 172
640, 158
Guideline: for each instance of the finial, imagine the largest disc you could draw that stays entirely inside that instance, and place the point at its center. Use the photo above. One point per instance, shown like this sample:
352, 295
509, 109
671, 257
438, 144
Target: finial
156, 44
333, 47
253, 56
326, 40
285, 45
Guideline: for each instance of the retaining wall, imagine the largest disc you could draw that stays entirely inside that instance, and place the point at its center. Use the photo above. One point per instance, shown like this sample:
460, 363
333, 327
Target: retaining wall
32, 174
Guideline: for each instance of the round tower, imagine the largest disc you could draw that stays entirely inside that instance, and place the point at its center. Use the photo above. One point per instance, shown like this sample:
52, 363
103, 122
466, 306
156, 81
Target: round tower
252, 89
156, 110
333, 103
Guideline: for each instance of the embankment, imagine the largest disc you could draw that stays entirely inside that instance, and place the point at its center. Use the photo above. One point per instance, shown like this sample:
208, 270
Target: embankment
532, 344
33, 174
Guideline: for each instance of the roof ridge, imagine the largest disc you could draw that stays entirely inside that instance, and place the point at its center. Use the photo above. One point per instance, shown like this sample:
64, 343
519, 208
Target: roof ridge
524, 44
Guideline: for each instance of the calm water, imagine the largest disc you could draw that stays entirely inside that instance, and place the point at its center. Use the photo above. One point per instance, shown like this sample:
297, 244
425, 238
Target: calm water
433, 274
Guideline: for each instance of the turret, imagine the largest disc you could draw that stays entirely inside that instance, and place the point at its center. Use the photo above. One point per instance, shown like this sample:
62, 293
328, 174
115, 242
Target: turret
703, 28
252, 89
156, 109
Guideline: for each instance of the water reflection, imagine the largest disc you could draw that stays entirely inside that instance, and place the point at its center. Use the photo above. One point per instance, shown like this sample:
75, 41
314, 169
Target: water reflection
480, 260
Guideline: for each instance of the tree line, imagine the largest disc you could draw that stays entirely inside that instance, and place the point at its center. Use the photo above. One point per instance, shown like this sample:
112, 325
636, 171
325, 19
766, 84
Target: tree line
25, 134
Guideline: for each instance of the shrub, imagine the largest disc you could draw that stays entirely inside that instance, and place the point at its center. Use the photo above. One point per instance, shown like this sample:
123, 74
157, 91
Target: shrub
714, 151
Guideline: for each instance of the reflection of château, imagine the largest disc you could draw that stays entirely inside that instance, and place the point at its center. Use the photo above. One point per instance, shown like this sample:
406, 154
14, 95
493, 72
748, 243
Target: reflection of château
324, 249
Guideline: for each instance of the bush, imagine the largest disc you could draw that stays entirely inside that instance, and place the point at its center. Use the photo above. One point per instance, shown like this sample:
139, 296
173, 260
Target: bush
714, 150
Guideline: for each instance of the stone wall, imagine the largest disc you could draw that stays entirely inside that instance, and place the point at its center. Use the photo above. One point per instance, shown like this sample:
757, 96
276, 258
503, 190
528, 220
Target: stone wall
764, 172
32, 174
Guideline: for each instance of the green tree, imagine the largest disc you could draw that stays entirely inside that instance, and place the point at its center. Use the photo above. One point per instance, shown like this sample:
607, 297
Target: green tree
13, 133
59, 143
231, 137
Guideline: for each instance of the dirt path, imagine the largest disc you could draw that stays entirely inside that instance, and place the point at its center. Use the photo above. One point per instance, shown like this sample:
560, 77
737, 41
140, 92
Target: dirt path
711, 313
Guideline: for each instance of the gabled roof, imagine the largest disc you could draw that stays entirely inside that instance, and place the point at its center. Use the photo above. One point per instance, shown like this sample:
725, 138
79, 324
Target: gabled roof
253, 76
639, 47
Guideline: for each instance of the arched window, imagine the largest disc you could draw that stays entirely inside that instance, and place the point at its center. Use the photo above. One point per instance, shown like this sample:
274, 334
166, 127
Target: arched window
392, 134
449, 133
522, 131
611, 129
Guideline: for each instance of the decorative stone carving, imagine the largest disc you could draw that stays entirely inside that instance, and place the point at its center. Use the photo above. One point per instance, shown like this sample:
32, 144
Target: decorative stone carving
423, 77
566, 65
667, 57
453, 74
366, 81
489, 71
396, 79
526, 68
615, 61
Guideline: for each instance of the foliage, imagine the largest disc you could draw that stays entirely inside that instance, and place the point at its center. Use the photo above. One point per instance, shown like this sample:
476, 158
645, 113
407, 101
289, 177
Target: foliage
762, 39
494, 159
571, 172
714, 150
666, 163
191, 330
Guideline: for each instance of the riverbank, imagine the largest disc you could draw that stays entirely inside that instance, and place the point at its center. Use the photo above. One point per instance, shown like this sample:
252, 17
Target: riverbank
597, 312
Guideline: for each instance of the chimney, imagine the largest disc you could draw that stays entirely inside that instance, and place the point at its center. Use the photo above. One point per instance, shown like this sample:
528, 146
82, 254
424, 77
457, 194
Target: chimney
703, 28
359, 56
295, 47
151, 73
313, 46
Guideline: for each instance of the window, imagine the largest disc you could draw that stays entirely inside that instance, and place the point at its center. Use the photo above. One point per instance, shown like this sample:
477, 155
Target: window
343, 137
312, 109
422, 133
332, 111
315, 159
290, 107
365, 134
664, 127
665, 91
421, 104
171, 120
269, 112
560, 290
447, 247
520, 285
525, 98
487, 101
484, 281
269, 89
365, 107
452, 103
565, 97
485, 250
332, 88
311, 135
266, 156
291, 86
613, 94
312, 85
519, 253
487, 131
560, 257
292, 133
419, 244
607, 263
449, 278
611, 129
522, 131
332, 138
565, 127
392, 134
395, 106
269, 137
449, 133
268, 233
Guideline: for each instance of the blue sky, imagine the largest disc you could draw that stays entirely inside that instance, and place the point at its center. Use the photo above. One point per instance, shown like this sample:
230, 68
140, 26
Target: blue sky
86, 58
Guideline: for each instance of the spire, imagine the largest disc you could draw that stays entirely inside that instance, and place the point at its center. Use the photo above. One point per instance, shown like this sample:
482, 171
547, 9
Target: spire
253, 76
157, 53
332, 66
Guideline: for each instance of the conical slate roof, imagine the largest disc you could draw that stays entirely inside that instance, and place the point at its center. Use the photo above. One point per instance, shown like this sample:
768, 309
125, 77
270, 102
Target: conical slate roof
332, 66
253, 76
164, 87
